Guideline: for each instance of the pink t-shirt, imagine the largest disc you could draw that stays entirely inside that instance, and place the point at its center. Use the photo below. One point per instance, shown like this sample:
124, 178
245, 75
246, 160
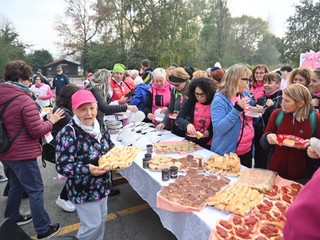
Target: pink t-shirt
202, 117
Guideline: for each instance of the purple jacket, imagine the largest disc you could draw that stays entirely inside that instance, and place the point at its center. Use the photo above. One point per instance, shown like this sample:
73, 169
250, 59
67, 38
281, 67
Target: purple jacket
303, 216
22, 112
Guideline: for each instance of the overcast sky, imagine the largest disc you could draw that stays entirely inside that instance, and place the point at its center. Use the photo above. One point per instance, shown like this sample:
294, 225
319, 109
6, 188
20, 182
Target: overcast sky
34, 19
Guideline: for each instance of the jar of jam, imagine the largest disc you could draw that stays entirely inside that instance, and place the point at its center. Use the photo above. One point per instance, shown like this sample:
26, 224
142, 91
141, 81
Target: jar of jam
147, 156
173, 172
165, 174
145, 163
149, 148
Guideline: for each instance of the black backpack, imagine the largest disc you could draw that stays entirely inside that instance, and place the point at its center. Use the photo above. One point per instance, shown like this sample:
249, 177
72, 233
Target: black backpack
5, 143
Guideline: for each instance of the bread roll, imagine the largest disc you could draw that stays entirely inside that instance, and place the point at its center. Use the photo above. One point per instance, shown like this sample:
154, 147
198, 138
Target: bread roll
289, 142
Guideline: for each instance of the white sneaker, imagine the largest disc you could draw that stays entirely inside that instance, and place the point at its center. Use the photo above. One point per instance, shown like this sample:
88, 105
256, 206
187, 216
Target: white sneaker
65, 205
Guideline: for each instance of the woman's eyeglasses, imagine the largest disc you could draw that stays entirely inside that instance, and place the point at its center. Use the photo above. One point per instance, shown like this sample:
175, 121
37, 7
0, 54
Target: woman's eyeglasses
259, 73
245, 79
199, 94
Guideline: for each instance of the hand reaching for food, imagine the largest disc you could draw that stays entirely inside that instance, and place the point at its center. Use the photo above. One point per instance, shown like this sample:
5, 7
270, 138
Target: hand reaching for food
191, 129
151, 116
164, 110
160, 126
132, 108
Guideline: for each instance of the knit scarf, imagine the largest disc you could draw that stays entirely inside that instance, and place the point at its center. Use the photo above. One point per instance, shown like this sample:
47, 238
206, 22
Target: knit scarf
23, 87
27, 90
93, 131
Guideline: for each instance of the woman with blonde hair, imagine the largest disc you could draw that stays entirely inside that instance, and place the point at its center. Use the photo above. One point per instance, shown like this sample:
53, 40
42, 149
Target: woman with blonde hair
296, 118
301, 76
233, 130
158, 95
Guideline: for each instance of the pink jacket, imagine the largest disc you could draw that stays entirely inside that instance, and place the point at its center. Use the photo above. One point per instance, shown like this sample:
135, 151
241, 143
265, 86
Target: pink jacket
303, 215
22, 112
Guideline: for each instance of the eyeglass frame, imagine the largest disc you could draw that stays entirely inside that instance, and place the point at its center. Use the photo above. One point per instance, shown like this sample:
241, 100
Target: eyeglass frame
200, 94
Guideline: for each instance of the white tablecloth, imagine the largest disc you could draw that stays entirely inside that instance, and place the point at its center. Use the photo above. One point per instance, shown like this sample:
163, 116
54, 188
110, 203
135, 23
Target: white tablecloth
146, 183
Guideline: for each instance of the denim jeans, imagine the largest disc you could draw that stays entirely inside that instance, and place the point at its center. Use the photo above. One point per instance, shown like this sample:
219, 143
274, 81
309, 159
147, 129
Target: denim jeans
24, 175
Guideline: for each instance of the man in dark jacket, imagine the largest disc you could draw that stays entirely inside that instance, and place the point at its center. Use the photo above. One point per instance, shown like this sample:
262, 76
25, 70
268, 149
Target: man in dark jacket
59, 80
146, 71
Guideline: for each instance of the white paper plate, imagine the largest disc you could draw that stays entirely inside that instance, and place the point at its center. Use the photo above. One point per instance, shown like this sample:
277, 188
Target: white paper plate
138, 116
158, 114
253, 114
159, 119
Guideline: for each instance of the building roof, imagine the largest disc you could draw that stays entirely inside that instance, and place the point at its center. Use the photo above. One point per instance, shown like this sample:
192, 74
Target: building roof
61, 61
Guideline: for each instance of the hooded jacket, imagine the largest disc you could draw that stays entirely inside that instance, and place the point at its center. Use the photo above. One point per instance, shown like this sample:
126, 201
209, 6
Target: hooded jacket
22, 112
140, 96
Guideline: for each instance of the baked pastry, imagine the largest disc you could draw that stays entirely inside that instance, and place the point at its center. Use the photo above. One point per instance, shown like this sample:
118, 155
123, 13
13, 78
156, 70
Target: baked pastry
118, 157
289, 142
47, 110
228, 164
198, 134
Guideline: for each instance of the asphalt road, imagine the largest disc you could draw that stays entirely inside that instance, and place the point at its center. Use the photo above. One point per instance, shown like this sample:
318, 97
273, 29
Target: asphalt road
129, 216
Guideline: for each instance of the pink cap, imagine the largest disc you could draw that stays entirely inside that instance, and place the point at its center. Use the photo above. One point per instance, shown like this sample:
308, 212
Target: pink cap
90, 74
81, 97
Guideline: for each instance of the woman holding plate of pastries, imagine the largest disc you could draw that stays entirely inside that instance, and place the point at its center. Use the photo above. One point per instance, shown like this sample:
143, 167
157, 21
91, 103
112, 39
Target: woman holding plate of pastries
79, 146
300, 121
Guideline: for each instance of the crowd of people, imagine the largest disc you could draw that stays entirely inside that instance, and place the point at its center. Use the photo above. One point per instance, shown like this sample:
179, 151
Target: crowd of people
238, 110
